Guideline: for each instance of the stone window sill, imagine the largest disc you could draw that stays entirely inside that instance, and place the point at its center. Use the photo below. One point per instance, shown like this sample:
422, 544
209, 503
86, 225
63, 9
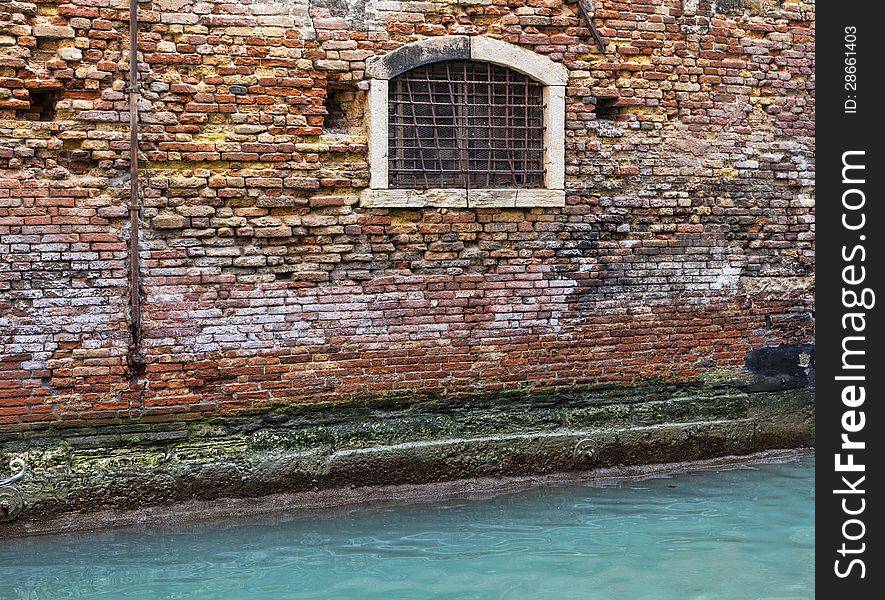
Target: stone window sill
462, 198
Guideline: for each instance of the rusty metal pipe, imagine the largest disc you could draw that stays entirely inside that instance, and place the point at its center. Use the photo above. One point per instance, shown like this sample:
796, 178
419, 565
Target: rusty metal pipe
588, 9
134, 359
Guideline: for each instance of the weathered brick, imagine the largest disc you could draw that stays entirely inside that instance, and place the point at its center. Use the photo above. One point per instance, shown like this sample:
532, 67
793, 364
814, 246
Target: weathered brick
169, 221
686, 239
45, 30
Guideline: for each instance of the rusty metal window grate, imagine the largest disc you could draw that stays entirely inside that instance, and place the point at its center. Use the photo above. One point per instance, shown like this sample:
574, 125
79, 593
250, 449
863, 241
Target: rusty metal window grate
465, 124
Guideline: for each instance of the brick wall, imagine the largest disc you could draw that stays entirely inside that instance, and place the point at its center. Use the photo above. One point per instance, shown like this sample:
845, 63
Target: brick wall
687, 239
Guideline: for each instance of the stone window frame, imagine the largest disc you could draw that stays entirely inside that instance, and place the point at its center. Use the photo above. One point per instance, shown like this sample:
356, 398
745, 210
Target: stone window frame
553, 76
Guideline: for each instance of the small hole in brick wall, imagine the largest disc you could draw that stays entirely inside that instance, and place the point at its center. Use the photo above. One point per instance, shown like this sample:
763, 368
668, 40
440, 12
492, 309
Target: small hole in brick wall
340, 106
42, 106
607, 108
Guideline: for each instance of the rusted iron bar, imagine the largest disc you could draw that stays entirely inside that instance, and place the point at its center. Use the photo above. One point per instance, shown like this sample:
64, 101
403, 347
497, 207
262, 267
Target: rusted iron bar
586, 9
134, 358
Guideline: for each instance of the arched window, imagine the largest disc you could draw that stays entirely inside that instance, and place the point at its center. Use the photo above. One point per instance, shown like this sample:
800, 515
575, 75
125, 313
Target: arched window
465, 122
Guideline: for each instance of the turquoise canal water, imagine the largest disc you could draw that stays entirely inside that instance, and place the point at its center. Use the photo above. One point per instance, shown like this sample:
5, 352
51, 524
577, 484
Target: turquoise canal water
742, 533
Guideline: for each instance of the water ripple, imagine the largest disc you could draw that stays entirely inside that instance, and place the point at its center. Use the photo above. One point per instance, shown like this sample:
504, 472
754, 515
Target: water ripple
741, 533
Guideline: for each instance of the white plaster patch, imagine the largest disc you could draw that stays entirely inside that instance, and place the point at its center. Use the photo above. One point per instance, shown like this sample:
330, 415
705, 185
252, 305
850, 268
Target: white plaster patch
776, 285
727, 279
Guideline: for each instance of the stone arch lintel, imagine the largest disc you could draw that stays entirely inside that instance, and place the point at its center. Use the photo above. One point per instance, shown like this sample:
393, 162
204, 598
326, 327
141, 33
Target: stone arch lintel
462, 47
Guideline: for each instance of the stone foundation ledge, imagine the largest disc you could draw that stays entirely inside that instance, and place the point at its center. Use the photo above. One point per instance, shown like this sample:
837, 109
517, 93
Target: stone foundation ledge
312, 448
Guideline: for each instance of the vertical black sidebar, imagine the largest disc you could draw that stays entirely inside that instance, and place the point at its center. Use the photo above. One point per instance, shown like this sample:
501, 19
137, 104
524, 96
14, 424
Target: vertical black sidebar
850, 439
